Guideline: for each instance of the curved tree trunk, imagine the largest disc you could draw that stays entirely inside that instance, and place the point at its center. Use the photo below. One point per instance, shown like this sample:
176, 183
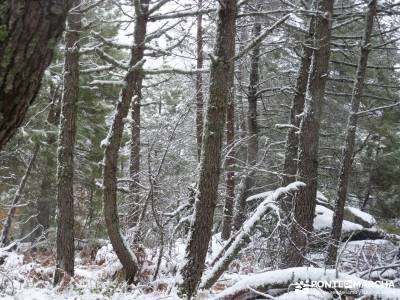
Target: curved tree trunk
348, 149
66, 145
29, 31
126, 257
221, 77
305, 200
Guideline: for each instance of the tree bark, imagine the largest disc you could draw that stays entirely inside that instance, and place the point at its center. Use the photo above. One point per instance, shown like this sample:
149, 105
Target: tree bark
134, 168
126, 257
29, 32
305, 200
199, 82
7, 222
66, 146
43, 203
252, 132
44, 208
348, 149
230, 172
221, 77
292, 140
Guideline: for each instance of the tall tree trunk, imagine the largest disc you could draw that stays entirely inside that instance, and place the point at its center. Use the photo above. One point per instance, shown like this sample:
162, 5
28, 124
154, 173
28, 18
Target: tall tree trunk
126, 257
44, 202
252, 131
221, 77
348, 149
7, 222
292, 140
45, 199
241, 114
29, 32
90, 216
66, 146
304, 202
229, 166
199, 82
134, 167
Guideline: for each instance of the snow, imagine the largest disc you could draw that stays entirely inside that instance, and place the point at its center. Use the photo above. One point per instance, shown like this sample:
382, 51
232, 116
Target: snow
41, 294
324, 217
293, 275
321, 197
106, 255
117, 83
362, 243
306, 294
104, 143
362, 215
259, 196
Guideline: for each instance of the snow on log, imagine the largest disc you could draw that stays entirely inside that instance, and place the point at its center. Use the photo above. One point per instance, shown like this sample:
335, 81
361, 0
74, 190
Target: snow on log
323, 220
293, 276
357, 216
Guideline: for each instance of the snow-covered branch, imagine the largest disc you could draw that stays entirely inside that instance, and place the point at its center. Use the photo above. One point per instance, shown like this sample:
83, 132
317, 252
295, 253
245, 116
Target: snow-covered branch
108, 58
174, 71
181, 14
261, 37
242, 238
117, 83
366, 112
97, 69
110, 42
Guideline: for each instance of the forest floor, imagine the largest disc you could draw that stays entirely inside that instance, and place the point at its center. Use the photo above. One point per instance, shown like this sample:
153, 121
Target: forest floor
28, 274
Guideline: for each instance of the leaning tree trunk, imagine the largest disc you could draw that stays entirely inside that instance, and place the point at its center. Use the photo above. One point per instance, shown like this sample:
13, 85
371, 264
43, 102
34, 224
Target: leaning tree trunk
199, 82
29, 32
304, 202
7, 222
66, 145
126, 257
230, 172
247, 181
348, 149
221, 77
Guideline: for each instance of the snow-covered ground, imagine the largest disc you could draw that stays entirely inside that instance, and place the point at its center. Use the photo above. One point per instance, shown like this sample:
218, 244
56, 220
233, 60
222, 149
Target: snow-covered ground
26, 274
